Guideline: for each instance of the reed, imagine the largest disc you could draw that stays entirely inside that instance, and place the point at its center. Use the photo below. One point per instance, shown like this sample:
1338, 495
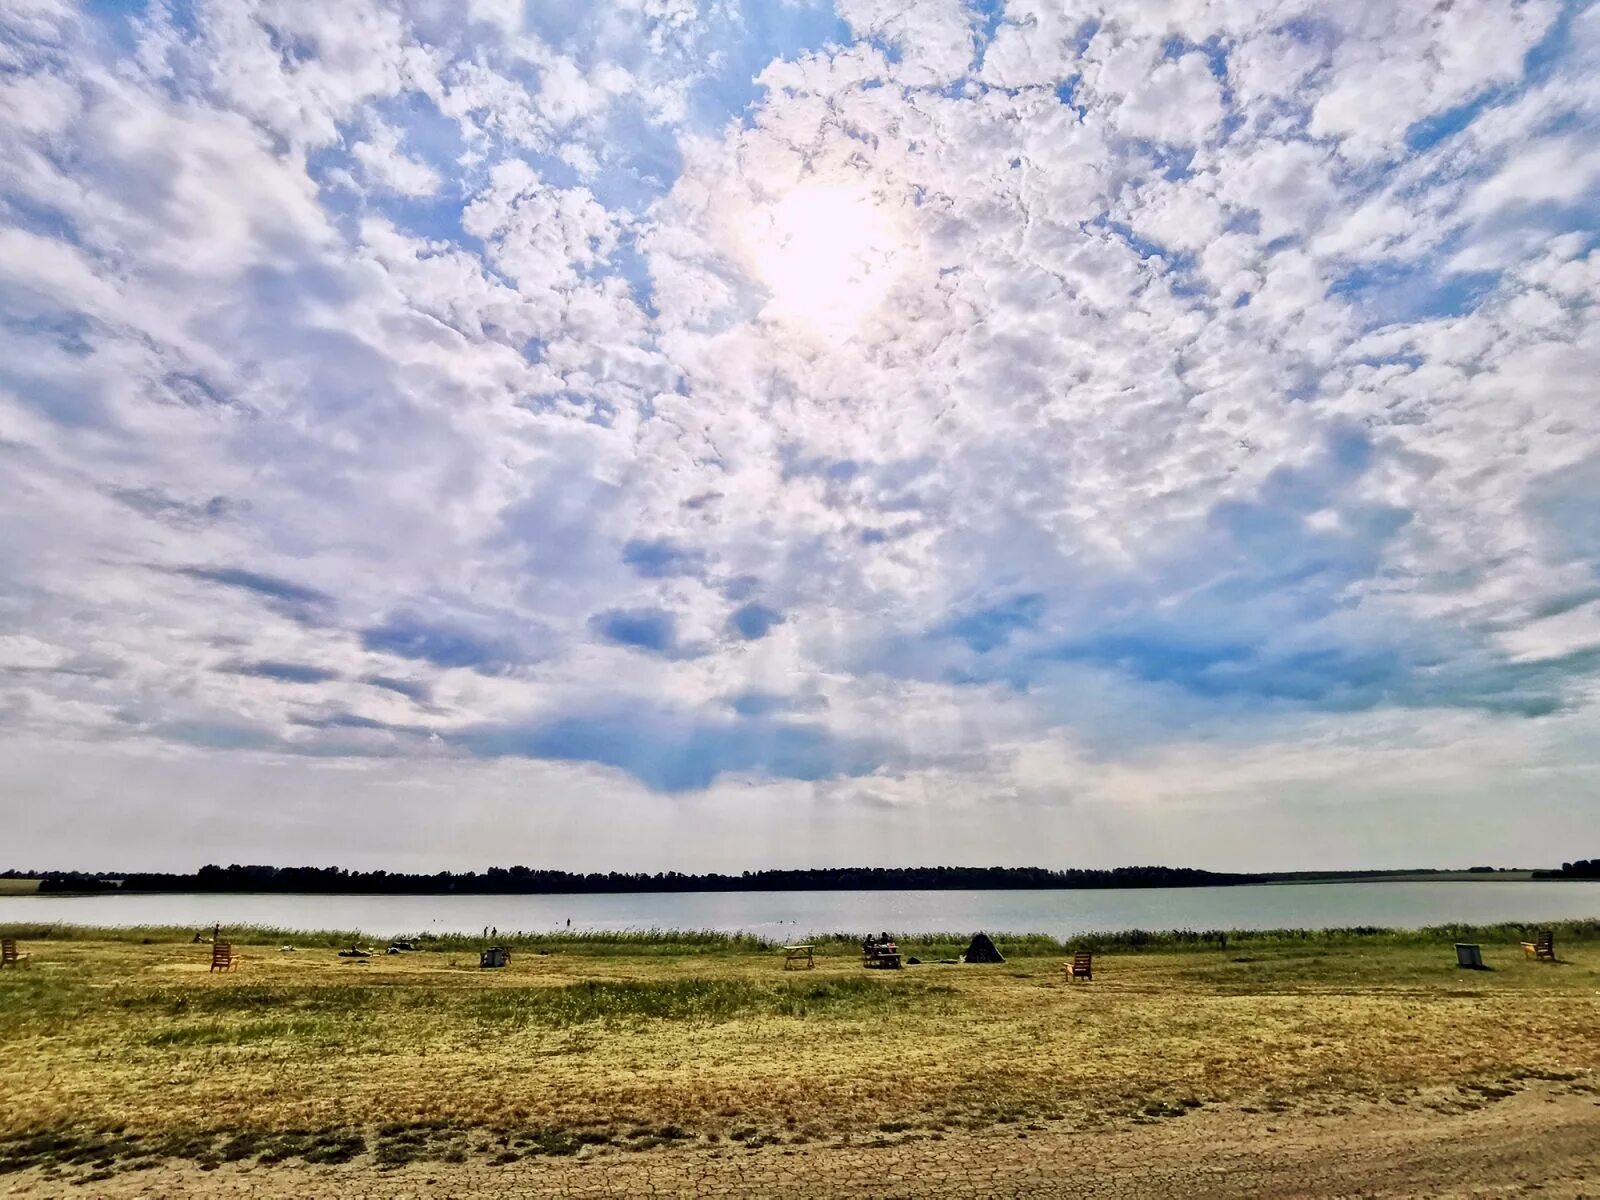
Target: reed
931, 946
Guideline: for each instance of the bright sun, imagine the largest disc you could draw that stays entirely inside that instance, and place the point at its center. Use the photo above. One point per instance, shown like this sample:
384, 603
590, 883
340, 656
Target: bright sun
826, 253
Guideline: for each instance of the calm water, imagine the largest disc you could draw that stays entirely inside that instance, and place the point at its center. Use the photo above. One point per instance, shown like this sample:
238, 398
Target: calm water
793, 914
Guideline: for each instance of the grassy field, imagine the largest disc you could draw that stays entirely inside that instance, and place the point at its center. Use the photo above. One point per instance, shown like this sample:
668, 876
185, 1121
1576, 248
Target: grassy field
18, 887
121, 1049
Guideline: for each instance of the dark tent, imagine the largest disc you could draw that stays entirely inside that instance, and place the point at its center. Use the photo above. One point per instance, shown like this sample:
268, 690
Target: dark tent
982, 951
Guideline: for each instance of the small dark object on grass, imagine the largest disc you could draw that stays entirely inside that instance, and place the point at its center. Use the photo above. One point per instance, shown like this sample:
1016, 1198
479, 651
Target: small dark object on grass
913, 961
982, 950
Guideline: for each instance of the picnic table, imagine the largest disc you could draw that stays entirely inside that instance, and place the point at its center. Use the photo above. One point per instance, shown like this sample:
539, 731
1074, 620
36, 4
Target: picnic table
799, 958
882, 955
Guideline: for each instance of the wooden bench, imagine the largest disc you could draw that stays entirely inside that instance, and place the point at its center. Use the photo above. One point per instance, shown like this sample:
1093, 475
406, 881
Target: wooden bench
223, 958
1542, 947
798, 958
1081, 967
8, 954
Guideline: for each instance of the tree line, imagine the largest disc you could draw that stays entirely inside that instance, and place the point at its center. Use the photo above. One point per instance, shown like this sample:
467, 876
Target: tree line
1583, 868
520, 880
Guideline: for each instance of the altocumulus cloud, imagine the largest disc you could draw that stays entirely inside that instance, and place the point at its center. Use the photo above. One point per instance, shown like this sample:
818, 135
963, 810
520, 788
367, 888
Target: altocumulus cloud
947, 404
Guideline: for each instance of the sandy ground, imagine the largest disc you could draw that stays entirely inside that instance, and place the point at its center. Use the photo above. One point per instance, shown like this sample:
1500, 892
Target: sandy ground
1544, 1140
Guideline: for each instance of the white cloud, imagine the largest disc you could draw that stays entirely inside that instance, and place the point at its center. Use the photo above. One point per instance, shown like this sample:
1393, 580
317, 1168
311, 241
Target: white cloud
1177, 101
933, 37
390, 169
1401, 63
1202, 443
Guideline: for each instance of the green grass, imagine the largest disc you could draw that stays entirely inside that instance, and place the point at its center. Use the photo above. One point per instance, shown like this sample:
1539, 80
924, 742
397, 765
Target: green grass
219, 1033
339, 999
345, 1016
333, 1014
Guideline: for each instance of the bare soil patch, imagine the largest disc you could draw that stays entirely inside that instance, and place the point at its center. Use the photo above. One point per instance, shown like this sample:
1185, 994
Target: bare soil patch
1542, 1138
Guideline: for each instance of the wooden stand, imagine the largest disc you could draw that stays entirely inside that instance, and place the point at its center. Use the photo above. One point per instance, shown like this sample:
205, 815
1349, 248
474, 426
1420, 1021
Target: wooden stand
1542, 948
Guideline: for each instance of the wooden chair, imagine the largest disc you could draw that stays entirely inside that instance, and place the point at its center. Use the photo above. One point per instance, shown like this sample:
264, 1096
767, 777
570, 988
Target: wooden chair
1081, 967
1542, 948
223, 958
8, 954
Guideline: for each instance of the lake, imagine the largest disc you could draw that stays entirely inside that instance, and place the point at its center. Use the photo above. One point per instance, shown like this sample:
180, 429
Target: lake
790, 915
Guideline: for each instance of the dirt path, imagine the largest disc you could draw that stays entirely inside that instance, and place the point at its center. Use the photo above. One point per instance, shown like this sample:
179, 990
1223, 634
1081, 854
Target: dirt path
1544, 1140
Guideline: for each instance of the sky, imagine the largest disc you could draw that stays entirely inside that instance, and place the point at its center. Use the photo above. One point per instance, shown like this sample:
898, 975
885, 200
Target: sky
653, 435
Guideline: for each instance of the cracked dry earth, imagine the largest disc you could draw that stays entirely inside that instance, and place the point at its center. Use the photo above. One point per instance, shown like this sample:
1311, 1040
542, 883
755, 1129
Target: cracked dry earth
1544, 1141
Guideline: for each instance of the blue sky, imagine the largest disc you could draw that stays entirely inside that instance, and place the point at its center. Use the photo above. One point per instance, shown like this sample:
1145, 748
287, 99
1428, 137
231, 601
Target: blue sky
684, 436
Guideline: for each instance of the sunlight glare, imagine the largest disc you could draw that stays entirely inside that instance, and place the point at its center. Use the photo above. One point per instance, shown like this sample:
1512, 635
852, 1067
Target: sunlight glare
826, 254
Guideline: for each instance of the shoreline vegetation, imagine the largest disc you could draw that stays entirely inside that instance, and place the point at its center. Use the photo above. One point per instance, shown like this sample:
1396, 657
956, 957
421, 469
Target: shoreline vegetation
521, 880
128, 1054
929, 946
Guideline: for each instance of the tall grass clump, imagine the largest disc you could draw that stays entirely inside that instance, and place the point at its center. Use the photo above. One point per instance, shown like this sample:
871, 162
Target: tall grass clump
929, 946
240, 935
596, 942
599, 943
1134, 940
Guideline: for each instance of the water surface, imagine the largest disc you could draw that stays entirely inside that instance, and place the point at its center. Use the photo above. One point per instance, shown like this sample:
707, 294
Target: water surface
786, 915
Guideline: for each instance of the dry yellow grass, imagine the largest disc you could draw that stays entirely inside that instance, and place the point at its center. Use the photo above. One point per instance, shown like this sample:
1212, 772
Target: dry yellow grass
140, 1037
